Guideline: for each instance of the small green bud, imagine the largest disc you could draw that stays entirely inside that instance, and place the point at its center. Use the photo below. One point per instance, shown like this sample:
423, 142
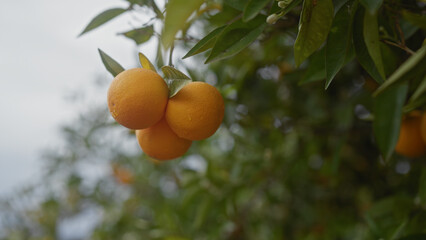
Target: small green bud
284, 3
272, 18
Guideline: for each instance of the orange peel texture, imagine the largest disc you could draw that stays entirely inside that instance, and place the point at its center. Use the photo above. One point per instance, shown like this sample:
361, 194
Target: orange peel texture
137, 98
410, 141
196, 111
160, 142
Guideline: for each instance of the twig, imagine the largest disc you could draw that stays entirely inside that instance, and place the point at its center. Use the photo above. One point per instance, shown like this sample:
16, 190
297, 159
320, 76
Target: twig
405, 48
401, 34
172, 47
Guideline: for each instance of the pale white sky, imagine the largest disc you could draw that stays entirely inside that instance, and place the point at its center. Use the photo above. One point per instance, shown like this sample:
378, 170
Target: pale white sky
41, 61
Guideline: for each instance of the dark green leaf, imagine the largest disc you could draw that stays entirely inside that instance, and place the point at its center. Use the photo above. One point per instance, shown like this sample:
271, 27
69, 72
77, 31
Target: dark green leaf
338, 4
371, 38
140, 35
414, 237
206, 43
175, 79
103, 18
202, 211
138, 2
315, 23
361, 49
417, 60
400, 229
372, 225
391, 58
237, 4
145, 63
235, 37
387, 118
416, 19
110, 64
252, 8
412, 105
422, 187
338, 44
387, 216
372, 5
316, 68
408, 29
421, 90
177, 13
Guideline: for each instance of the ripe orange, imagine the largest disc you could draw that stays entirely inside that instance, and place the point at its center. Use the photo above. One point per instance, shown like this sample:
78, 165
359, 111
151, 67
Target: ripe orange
410, 142
121, 174
160, 142
137, 98
196, 111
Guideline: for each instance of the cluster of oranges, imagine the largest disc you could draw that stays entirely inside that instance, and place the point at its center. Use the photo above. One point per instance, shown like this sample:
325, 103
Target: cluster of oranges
412, 135
138, 99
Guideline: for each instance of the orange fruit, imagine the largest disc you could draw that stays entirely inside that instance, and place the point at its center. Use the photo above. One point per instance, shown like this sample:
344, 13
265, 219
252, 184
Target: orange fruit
410, 142
121, 174
137, 98
160, 142
196, 111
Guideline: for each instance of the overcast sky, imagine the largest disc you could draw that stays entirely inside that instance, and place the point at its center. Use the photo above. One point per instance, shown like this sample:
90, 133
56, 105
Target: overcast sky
41, 61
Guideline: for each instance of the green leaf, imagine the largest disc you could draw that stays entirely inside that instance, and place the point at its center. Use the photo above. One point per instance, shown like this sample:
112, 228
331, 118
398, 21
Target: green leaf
361, 49
176, 238
145, 63
236, 4
110, 64
417, 60
387, 118
138, 2
175, 79
372, 42
315, 23
157, 10
414, 237
386, 216
316, 68
420, 91
252, 8
177, 13
139, 35
206, 43
159, 60
372, 225
407, 28
103, 18
372, 5
338, 44
422, 187
412, 105
400, 229
415, 19
235, 37
176, 85
202, 211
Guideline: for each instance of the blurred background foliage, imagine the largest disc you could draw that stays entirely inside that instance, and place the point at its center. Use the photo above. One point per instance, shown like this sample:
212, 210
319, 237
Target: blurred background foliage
290, 161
